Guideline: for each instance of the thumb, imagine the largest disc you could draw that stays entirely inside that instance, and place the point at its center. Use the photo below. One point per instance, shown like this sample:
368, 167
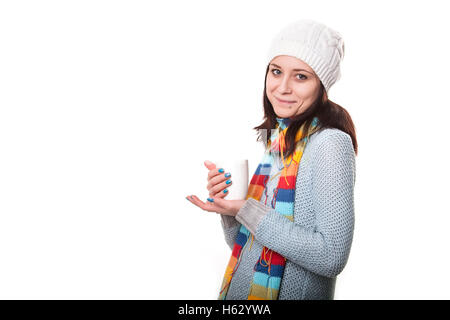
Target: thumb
221, 202
208, 164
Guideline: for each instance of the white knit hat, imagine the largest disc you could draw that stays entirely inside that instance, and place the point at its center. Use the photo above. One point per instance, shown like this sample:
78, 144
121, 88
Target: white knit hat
317, 45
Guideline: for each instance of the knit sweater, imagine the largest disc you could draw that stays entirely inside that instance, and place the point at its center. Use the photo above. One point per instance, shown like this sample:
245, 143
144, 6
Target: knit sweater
317, 244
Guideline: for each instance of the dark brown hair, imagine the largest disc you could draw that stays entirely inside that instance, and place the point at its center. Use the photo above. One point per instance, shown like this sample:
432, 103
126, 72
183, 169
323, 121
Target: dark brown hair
330, 115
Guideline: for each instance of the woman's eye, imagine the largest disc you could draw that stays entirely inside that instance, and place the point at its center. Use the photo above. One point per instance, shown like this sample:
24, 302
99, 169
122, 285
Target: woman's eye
302, 77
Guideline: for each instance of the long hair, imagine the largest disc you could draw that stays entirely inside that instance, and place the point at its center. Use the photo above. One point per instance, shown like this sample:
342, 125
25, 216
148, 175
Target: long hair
330, 115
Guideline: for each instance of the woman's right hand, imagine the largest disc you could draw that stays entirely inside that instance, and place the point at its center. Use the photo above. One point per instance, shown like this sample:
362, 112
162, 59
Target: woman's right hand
217, 181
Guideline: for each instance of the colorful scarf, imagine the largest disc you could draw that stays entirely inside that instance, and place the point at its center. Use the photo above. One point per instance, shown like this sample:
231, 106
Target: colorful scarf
269, 269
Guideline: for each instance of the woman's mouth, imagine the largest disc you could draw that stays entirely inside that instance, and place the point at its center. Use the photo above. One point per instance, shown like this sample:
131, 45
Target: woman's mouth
284, 101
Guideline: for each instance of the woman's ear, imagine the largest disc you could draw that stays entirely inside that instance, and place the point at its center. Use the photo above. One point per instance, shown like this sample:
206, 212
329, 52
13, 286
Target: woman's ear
324, 94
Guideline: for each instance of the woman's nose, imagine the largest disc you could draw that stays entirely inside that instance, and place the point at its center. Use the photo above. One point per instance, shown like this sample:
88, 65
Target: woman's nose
284, 86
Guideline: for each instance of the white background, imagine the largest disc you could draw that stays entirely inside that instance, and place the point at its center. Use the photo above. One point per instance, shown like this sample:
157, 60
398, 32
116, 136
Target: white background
109, 108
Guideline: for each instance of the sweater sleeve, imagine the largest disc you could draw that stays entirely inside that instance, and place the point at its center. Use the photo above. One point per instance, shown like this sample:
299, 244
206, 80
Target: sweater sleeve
230, 228
325, 248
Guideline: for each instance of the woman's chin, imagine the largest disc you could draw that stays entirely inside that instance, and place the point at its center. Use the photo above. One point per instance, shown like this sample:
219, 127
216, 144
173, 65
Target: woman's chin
283, 113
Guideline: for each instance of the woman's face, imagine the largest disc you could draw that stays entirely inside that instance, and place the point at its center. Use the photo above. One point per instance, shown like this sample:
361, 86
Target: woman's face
291, 80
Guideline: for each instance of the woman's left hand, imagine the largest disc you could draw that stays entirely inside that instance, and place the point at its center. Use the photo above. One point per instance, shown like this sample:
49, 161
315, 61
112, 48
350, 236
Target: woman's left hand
219, 205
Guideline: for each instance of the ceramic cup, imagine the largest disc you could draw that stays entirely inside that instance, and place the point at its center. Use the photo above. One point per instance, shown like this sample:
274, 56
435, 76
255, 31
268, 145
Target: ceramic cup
239, 177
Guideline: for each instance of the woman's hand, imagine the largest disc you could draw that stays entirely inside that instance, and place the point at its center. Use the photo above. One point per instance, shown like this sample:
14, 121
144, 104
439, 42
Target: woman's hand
218, 205
218, 181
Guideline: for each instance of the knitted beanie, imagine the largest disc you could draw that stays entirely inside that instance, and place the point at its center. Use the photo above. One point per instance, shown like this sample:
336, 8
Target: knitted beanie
314, 43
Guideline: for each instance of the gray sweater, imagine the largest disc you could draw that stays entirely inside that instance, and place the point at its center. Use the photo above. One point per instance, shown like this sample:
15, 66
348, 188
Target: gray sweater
317, 244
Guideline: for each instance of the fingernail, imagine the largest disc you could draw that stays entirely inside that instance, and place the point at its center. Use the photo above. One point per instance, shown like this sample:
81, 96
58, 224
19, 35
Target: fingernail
221, 170
227, 174
228, 181
225, 191
210, 200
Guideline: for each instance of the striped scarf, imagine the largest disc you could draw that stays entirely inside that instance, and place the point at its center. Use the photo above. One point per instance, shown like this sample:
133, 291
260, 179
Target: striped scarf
269, 269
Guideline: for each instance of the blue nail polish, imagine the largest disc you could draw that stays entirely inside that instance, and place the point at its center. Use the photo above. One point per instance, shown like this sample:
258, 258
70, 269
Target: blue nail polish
225, 191
227, 174
228, 181
221, 170
210, 200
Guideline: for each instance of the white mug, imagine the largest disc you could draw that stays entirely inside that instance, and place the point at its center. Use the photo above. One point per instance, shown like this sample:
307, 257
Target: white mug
238, 168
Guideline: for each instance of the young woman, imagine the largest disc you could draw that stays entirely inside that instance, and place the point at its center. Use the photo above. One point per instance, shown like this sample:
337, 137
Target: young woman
292, 235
